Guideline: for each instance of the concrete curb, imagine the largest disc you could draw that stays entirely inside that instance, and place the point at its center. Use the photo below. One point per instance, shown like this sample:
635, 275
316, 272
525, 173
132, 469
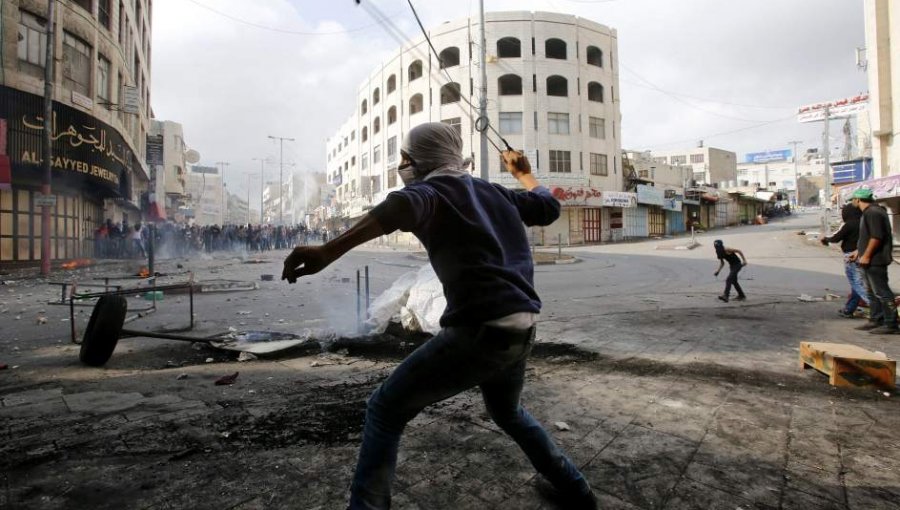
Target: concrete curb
573, 260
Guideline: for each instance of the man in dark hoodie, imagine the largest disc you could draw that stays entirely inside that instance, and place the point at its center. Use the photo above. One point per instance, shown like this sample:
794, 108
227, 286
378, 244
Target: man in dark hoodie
473, 233
848, 236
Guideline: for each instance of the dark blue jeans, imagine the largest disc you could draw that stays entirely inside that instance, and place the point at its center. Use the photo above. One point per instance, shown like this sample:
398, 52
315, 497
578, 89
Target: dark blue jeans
453, 361
858, 290
881, 297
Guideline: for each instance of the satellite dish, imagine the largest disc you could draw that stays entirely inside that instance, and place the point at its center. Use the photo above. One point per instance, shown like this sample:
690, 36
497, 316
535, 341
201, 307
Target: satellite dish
191, 156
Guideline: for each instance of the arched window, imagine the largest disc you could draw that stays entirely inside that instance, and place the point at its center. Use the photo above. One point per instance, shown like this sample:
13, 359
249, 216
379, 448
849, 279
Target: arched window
363, 107
510, 85
595, 92
594, 56
450, 93
557, 86
364, 135
509, 47
449, 57
392, 115
376, 96
415, 70
555, 48
376, 125
416, 104
392, 83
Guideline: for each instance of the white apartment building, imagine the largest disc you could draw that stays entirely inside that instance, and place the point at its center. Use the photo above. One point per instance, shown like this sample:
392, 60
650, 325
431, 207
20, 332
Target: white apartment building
709, 166
206, 194
552, 92
777, 172
174, 169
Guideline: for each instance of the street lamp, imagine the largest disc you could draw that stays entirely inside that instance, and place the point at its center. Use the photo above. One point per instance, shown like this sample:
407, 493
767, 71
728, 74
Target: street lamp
262, 184
281, 174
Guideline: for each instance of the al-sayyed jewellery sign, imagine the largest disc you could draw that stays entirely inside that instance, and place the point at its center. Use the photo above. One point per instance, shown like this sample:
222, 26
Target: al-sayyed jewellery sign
82, 145
836, 109
650, 195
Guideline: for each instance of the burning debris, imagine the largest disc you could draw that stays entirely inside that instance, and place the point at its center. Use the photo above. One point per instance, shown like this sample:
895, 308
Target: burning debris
76, 264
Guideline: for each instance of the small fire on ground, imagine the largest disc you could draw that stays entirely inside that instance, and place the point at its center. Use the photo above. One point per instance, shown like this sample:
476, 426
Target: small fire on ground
77, 263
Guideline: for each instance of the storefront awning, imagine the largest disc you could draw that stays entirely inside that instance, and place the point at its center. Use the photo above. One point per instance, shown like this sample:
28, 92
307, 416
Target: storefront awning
885, 187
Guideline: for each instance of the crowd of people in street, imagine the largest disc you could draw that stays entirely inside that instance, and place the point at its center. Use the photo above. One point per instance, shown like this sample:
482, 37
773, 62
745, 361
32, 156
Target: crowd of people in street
124, 240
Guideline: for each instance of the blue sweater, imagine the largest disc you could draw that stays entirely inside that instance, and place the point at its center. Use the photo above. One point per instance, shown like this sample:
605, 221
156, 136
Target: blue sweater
473, 233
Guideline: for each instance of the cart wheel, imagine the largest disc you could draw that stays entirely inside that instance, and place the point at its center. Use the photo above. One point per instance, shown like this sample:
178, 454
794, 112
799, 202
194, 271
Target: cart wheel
103, 330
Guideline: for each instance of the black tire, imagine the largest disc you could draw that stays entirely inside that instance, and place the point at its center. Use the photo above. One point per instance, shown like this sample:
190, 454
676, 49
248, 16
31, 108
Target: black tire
103, 330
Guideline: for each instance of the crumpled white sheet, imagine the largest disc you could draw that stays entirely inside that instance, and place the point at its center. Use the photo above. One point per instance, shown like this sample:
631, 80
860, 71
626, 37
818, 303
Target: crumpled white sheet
416, 300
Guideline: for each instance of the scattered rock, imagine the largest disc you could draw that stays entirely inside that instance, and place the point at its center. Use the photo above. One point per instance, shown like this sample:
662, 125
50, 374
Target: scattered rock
246, 356
181, 377
561, 425
209, 360
227, 380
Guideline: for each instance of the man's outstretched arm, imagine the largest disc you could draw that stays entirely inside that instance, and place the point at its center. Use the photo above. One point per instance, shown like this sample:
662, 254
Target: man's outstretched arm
305, 260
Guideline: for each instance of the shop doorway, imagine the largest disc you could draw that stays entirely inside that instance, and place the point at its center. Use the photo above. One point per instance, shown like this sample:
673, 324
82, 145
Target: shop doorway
657, 220
592, 225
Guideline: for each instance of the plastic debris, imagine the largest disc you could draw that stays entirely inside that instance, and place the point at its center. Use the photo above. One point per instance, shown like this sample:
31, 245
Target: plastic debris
209, 360
806, 298
41, 320
227, 380
246, 356
561, 425
244, 312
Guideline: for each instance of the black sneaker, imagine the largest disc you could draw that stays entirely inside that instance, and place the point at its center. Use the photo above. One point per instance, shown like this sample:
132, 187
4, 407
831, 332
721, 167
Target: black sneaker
884, 330
583, 501
845, 314
741, 298
724, 299
867, 326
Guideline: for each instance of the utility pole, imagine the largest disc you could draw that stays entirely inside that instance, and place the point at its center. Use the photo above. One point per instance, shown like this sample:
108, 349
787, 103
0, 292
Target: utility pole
47, 152
482, 110
249, 175
262, 184
795, 143
281, 175
827, 209
224, 164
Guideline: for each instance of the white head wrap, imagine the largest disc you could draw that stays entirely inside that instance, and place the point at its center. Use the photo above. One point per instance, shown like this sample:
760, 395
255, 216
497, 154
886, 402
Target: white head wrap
435, 149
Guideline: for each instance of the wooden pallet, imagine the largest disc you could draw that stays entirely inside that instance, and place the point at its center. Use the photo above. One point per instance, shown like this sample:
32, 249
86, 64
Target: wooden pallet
848, 365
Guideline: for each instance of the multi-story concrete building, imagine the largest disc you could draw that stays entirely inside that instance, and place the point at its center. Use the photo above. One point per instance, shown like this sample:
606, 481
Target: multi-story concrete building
709, 166
174, 168
101, 110
552, 92
206, 195
883, 59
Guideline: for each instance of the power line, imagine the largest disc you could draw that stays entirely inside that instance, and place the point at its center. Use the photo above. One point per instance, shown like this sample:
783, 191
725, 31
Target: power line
723, 133
398, 35
675, 97
740, 105
275, 29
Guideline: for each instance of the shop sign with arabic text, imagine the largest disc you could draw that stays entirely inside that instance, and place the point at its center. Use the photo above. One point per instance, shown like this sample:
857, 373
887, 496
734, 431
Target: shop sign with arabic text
82, 145
619, 199
650, 195
578, 196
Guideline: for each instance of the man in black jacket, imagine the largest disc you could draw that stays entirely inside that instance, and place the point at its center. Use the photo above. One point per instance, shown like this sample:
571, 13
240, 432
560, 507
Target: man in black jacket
874, 255
848, 236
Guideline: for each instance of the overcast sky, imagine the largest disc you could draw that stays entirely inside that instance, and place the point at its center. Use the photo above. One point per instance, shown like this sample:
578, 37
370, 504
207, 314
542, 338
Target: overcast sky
729, 72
